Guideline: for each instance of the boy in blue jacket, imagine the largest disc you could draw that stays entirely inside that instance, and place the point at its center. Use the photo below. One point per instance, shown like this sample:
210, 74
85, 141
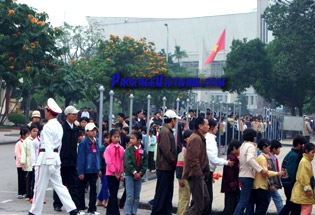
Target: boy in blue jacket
88, 165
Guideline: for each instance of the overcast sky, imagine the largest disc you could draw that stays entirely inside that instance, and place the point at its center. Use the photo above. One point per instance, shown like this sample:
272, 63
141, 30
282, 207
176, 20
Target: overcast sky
75, 11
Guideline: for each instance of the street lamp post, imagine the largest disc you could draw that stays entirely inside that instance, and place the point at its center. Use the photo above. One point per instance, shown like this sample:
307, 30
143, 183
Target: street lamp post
164, 100
176, 126
166, 25
233, 120
239, 121
100, 117
147, 136
187, 109
130, 112
110, 120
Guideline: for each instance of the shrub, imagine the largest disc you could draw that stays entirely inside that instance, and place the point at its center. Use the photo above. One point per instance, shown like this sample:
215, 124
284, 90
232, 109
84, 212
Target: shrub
17, 118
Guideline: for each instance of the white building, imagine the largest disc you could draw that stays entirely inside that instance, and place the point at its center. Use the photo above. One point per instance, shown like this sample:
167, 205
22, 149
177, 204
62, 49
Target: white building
197, 36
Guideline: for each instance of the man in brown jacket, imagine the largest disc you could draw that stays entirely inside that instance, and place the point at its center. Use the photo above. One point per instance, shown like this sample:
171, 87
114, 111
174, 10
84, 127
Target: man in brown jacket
196, 166
165, 166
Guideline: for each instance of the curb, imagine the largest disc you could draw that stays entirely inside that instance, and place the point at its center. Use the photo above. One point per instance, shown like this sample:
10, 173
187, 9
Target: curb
8, 142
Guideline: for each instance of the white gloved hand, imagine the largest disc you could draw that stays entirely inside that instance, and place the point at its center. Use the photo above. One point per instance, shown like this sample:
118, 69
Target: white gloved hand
52, 169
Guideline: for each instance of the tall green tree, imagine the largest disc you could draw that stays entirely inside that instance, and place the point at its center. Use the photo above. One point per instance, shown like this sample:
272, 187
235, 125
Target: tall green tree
283, 69
246, 65
79, 44
293, 52
28, 54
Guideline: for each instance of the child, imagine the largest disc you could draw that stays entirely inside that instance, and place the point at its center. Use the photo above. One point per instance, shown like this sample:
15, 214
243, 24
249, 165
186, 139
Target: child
230, 180
81, 136
302, 192
103, 194
26, 160
114, 158
125, 130
260, 190
152, 142
183, 188
88, 164
135, 166
275, 182
128, 143
24, 132
34, 153
83, 122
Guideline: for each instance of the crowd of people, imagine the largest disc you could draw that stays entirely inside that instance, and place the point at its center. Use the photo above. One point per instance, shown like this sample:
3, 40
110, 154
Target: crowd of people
65, 151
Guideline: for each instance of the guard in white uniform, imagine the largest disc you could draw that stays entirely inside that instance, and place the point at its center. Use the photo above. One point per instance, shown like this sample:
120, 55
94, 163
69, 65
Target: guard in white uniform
48, 163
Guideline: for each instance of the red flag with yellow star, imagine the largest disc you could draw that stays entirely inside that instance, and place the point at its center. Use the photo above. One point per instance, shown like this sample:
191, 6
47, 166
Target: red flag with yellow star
220, 45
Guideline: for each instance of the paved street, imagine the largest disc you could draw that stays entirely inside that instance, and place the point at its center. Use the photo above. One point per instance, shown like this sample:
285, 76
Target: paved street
9, 204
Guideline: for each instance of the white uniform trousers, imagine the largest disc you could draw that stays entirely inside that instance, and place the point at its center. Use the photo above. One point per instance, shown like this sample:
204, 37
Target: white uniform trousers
42, 177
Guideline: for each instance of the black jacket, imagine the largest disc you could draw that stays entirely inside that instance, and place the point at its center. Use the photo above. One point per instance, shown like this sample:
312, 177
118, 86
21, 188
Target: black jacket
68, 152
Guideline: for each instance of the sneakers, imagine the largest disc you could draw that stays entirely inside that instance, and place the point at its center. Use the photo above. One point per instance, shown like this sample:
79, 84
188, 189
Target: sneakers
81, 213
20, 196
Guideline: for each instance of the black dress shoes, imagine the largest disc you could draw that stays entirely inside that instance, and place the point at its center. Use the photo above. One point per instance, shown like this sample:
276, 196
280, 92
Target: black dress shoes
74, 212
58, 209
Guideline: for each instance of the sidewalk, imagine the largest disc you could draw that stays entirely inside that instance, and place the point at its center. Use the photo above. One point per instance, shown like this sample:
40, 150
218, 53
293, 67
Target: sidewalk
8, 136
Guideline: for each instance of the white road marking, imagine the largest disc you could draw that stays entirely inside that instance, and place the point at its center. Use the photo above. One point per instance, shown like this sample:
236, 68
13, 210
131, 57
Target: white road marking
6, 201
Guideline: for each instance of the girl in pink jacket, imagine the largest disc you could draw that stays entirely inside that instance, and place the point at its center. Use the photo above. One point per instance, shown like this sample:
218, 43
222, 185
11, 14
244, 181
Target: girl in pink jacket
114, 158
24, 132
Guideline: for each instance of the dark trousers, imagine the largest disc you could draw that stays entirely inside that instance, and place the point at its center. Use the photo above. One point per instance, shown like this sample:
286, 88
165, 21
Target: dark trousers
29, 184
261, 200
21, 181
69, 176
290, 206
113, 186
163, 193
209, 184
91, 178
230, 202
151, 163
308, 138
222, 137
200, 196
123, 197
103, 194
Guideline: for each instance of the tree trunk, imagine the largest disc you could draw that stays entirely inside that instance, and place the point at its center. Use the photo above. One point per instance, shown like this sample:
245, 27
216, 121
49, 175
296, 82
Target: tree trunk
7, 100
98, 114
27, 107
300, 110
293, 111
67, 102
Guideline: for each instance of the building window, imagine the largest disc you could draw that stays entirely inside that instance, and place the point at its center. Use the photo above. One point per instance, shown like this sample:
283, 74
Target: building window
251, 100
216, 68
191, 66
